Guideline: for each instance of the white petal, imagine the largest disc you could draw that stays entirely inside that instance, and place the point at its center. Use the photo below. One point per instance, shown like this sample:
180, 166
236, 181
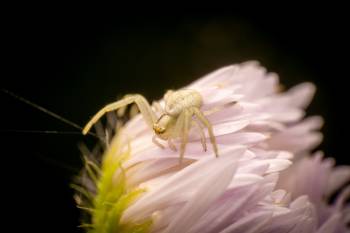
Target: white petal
194, 151
339, 176
171, 190
287, 115
284, 155
287, 221
252, 223
277, 165
302, 94
331, 225
206, 193
216, 78
243, 179
229, 127
230, 208
253, 167
342, 198
241, 138
305, 225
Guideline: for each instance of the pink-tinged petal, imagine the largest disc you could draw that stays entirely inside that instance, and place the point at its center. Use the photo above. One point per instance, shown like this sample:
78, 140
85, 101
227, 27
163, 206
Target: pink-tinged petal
244, 179
241, 138
346, 212
287, 115
308, 124
222, 97
136, 126
331, 225
265, 86
229, 207
217, 105
229, 127
177, 186
161, 219
277, 165
216, 78
220, 129
257, 168
200, 202
252, 223
302, 94
247, 76
194, 152
342, 198
338, 177
140, 173
300, 179
234, 112
286, 221
274, 165
266, 125
293, 142
285, 155
278, 109
271, 154
300, 202
305, 225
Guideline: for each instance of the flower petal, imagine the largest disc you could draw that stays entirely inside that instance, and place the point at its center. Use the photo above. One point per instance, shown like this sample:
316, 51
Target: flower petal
339, 176
252, 223
331, 225
200, 202
173, 189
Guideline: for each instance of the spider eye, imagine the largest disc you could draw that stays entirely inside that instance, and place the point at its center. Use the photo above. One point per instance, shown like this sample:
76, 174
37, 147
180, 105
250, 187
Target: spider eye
158, 129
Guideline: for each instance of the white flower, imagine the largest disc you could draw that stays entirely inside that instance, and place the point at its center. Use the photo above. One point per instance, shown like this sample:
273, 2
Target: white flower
260, 132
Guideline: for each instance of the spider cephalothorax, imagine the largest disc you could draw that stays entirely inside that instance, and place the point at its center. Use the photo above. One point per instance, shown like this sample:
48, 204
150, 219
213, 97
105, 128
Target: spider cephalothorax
174, 122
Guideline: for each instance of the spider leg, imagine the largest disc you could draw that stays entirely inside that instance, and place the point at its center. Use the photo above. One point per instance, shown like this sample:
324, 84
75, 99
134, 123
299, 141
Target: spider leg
133, 111
171, 145
146, 110
186, 125
141, 103
178, 130
201, 132
157, 107
155, 141
205, 121
121, 110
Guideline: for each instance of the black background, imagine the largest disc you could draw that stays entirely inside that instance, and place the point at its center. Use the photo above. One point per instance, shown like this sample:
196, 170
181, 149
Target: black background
73, 65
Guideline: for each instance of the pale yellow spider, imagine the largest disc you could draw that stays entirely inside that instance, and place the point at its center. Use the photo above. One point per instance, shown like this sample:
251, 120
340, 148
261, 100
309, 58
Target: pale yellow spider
175, 120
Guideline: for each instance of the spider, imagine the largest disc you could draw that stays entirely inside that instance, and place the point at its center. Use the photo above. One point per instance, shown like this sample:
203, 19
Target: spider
175, 120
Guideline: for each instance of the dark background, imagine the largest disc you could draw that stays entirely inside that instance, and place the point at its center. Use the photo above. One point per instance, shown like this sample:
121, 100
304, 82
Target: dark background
73, 65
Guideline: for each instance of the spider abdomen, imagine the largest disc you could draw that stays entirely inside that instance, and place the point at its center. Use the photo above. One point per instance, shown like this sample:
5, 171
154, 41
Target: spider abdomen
182, 99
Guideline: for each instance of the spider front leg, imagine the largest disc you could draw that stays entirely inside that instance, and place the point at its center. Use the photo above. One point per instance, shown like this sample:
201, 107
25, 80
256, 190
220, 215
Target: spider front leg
121, 111
139, 100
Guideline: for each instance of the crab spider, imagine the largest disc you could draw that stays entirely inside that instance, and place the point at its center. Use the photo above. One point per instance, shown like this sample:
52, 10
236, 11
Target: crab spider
175, 120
